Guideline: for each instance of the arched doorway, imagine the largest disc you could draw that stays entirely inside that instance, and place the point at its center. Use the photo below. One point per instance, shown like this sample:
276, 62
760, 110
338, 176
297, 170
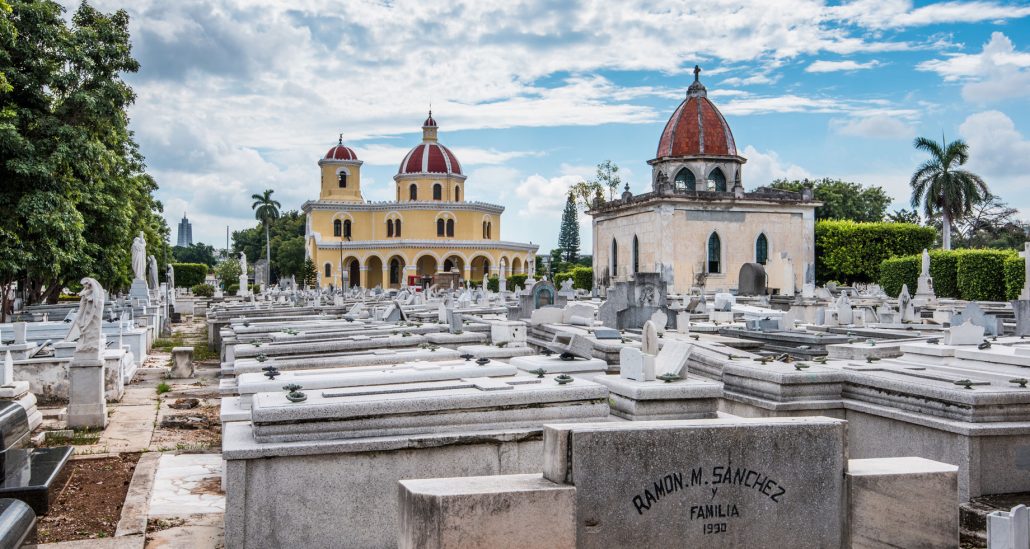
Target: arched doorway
353, 268
425, 266
454, 263
516, 266
479, 268
396, 271
373, 272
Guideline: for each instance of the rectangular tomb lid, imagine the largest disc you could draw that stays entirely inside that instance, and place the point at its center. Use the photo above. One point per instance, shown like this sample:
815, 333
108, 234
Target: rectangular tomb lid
468, 404
727, 482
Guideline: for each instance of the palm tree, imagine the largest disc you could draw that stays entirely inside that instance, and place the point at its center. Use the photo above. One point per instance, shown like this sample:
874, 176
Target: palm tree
941, 187
266, 210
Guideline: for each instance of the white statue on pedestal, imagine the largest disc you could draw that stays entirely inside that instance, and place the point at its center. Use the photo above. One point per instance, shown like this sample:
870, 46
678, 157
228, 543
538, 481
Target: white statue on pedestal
139, 257
152, 281
88, 321
243, 263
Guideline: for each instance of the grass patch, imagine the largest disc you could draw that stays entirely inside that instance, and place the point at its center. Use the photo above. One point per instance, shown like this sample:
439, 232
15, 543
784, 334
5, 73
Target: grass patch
163, 388
79, 437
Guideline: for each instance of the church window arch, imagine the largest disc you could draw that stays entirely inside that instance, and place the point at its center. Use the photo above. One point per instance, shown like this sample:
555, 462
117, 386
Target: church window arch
328, 270
636, 255
337, 227
685, 180
440, 227
397, 228
457, 193
717, 180
714, 254
346, 228
450, 227
389, 228
761, 249
413, 192
341, 177
437, 191
615, 257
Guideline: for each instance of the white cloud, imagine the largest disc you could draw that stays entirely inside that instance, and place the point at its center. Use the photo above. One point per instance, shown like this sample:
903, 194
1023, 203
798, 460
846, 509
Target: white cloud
996, 147
390, 155
998, 72
878, 14
836, 66
754, 104
763, 168
543, 197
876, 126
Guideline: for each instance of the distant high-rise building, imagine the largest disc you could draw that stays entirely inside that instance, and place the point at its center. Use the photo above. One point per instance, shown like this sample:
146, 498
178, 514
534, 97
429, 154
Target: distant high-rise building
185, 232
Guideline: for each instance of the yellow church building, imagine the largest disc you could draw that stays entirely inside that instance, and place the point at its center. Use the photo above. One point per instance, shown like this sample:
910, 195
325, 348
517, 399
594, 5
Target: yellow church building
429, 229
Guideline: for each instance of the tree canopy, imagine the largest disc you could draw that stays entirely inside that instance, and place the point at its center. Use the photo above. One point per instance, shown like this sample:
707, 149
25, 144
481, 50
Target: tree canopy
568, 234
841, 199
942, 187
286, 240
197, 252
75, 189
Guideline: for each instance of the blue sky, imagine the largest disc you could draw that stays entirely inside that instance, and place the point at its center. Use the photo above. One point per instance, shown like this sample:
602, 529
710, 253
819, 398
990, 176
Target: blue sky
237, 97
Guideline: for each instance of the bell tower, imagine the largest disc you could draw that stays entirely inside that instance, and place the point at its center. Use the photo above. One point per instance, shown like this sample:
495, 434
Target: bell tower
341, 174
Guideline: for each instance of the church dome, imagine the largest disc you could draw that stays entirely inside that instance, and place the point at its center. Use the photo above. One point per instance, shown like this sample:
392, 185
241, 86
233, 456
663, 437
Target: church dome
429, 156
340, 152
697, 128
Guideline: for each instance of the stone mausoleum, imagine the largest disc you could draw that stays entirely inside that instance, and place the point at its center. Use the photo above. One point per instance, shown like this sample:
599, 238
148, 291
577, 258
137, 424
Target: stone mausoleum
430, 228
698, 219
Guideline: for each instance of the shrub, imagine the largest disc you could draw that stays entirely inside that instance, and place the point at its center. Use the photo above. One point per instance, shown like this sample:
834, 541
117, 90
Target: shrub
853, 252
582, 277
944, 271
203, 290
517, 280
231, 289
562, 277
188, 275
981, 274
1015, 276
493, 284
897, 271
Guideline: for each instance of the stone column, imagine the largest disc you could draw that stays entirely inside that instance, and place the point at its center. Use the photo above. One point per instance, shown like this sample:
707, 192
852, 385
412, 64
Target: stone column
87, 407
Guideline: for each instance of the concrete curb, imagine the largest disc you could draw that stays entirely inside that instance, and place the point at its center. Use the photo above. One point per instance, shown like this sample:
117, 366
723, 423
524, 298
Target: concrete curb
137, 499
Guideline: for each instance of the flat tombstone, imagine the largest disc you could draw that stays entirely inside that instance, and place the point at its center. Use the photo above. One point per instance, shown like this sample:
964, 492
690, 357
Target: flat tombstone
776, 482
751, 280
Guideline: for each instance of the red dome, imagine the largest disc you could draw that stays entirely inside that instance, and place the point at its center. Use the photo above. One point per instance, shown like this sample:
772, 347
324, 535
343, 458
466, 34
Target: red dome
339, 152
429, 123
697, 128
430, 157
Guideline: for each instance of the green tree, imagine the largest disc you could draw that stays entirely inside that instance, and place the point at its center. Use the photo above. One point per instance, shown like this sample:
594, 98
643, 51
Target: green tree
289, 256
309, 276
903, 216
991, 223
568, 235
942, 188
266, 210
608, 177
288, 226
841, 199
228, 272
74, 190
195, 253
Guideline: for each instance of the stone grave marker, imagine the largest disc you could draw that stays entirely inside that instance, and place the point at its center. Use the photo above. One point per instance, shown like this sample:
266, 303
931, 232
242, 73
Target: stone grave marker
727, 482
751, 280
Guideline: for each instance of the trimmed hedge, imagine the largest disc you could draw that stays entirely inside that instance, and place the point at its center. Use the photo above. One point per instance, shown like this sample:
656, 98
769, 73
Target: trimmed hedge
897, 271
188, 275
493, 283
962, 274
981, 274
850, 251
203, 290
582, 277
1015, 276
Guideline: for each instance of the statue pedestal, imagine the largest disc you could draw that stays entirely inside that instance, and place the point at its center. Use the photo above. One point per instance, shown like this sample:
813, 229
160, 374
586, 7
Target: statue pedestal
87, 406
244, 288
140, 290
924, 292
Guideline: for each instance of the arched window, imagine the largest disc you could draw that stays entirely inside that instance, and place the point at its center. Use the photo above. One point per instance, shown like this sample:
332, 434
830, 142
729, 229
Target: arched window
328, 270
389, 228
413, 192
343, 180
489, 229
457, 193
615, 258
397, 228
718, 180
714, 254
450, 227
636, 255
337, 228
346, 228
685, 180
484, 229
447, 265
437, 192
761, 249
439, 227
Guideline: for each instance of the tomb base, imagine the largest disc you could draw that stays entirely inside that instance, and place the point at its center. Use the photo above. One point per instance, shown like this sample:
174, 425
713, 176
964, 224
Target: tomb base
656, 400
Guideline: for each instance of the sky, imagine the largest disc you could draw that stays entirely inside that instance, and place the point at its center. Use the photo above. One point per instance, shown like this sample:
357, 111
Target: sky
235, 97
